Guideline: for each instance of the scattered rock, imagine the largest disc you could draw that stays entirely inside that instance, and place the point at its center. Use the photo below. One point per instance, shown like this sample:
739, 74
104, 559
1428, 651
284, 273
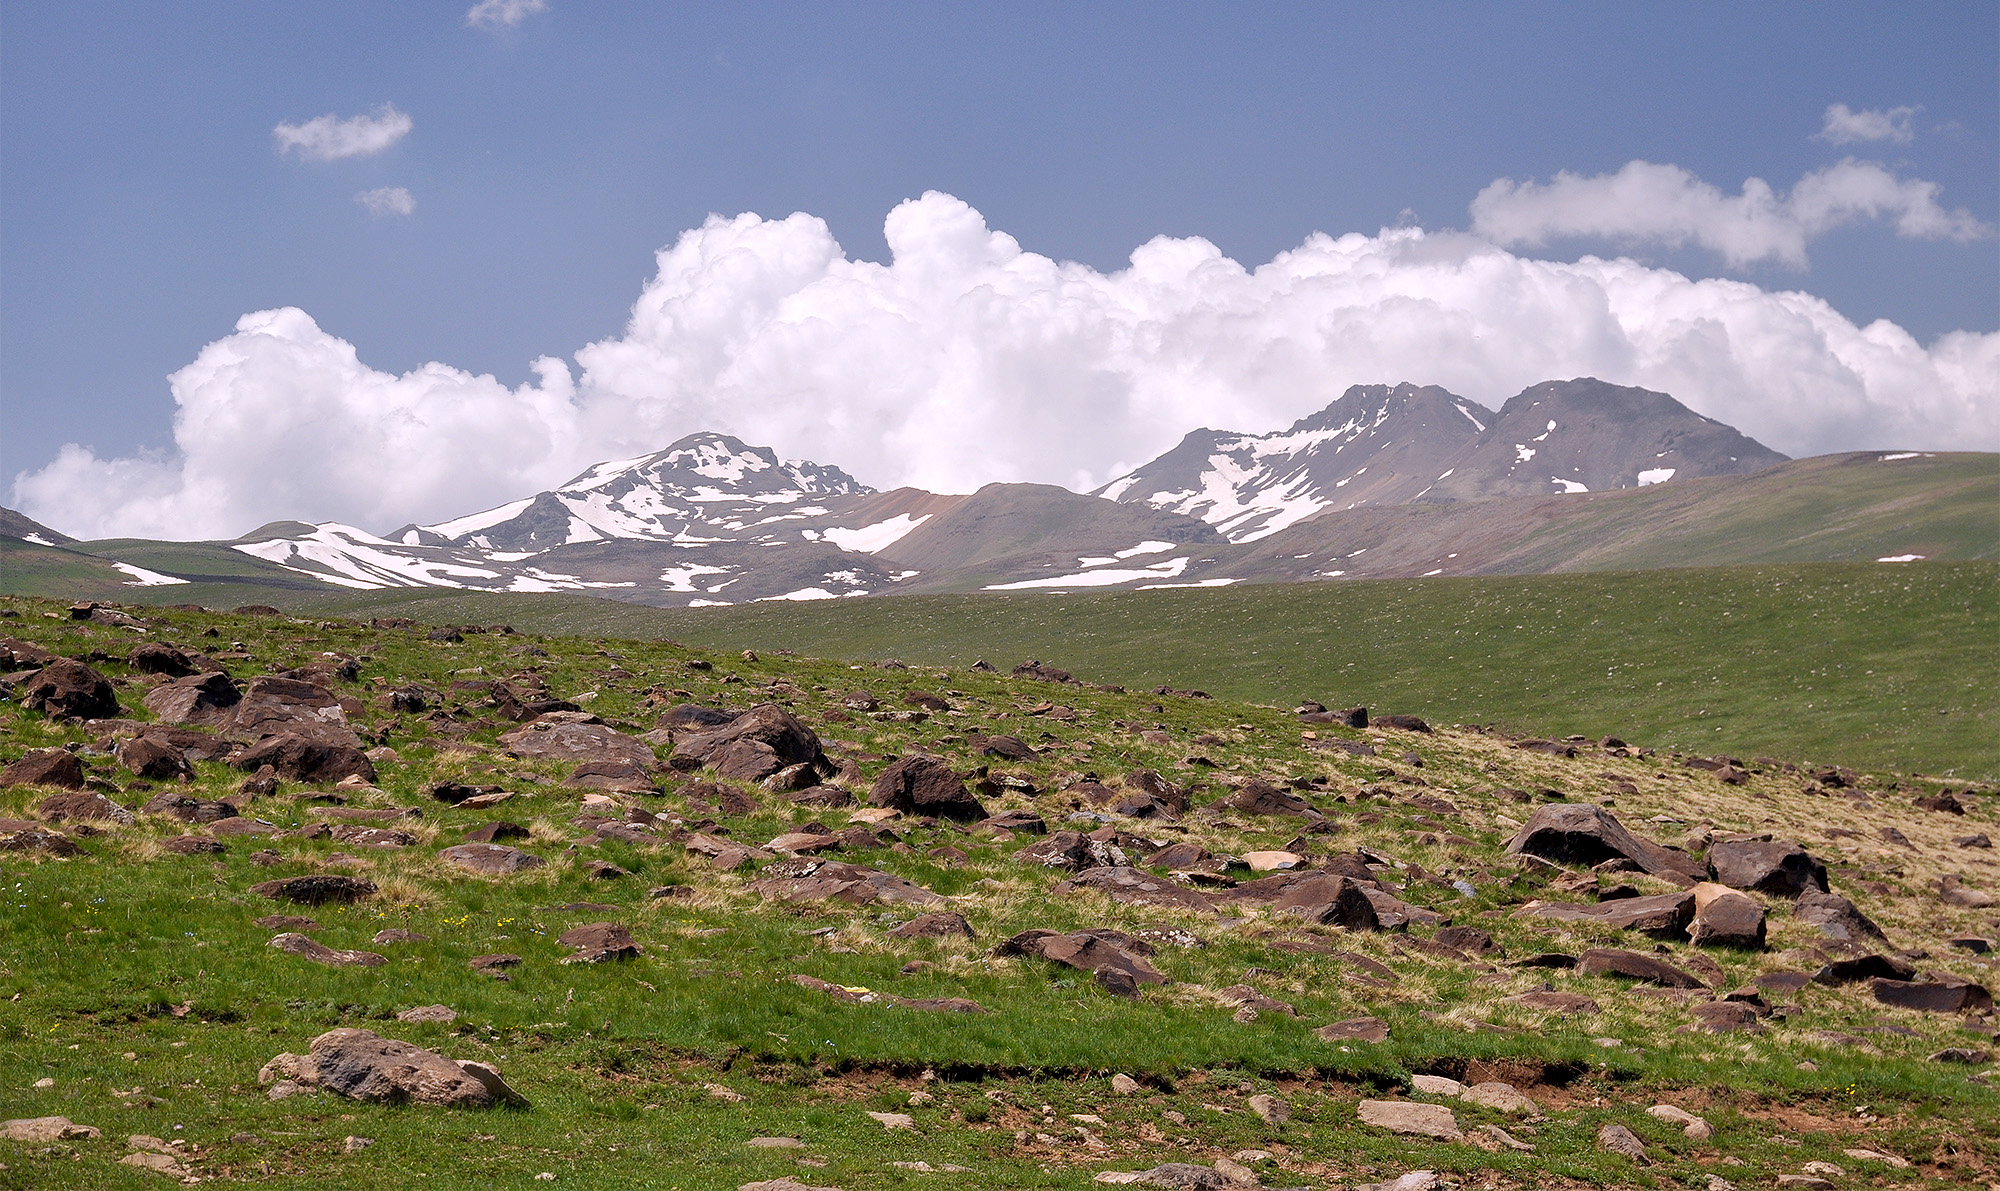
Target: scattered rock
1664, 915
196, 699
1644, 968
306, 947
933, 926
83, 806
753, 746
925, 785
1354, 1029
1620, 1140
47, 1129
1271, 1109
493, 860
1725, 918
316, 889
361, 1065
45, 767
1775, 868
67, 688
1409, 1117
436, 1014
1837, 918
1586, 834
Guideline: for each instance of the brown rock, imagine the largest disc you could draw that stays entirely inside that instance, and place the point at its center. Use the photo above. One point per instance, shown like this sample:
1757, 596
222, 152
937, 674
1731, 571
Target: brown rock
1725, 918
754, 745
153, 759
1837, 918
1096, 952
1329, 901
1355, 1029
187, 808
1257, 797
19, 835
1137, 887
316, 889
1411, 1118
1600, 961
1723, 1017
573, 736
84, 806
1941, 994
933, 926
810, 878
194, 845
306, 947
1776, 868
70, 688
493, 860
1586, 834
196, 699
361, 1065
45, 767
1552, 1001
316, 758
1664, 915
924, 785
156, 657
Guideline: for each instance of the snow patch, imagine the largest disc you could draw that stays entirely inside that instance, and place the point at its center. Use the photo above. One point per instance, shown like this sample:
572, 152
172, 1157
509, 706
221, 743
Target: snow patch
803, 593
1885, 458
1523, 452
1902, 558
1196, 583
1655, 475
1148, 547
141, 577
39, 540
682, 578
870, 539
1104, 578
1569, 486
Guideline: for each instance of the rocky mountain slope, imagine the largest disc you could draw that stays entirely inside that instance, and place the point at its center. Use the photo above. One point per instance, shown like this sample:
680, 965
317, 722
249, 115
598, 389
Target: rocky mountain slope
1378, 445
318, 893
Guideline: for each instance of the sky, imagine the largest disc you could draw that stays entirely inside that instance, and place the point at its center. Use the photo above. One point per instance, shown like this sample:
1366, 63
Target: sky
379, 263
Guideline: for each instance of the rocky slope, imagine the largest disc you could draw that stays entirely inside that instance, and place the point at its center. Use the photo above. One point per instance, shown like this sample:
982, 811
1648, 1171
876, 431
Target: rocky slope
1022, 926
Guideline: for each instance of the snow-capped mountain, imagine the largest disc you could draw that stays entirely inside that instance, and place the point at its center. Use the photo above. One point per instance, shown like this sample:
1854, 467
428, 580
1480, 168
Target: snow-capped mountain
1375, 445
705, 488
1378, 445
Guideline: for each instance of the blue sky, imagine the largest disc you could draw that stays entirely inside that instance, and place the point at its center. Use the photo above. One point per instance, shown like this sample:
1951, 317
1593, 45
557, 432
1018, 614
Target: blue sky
145, 203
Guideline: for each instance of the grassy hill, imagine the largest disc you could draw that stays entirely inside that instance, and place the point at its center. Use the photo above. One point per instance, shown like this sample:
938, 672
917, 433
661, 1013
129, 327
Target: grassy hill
139, 995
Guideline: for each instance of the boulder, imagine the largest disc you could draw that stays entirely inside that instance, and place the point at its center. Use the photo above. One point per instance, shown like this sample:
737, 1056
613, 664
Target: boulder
810, 878
1137, 887
1096, 952
43, 1130
1940, 994
492, 860
599, 942
44, 767
315, 758
753, 746
924, 785
1411, 1118
1257, 797
1726, 918
1601, 961
157, 657
1555, 1001
1857, 968
1952, 891
20, 835
316, 889
616, 777
1664, 915
72, 689
1329, 901
1354, 1029
1723, 1017
1622, 1141
361, 1065
306, 947
1587, 834
1406, 723
574, 737
1837, 918
1775, 868
271, 705
85, 806
187, 808
153, 759
196, 699
933, 926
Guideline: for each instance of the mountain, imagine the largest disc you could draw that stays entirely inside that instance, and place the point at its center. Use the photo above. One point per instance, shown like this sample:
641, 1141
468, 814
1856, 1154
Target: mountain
27, 529
1378, 445
1588, 436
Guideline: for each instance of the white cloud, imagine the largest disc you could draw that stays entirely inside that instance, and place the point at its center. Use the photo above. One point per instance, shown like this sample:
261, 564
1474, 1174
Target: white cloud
966, 360
387, 200
1647, 203
330, 138
1846, 128
503, 14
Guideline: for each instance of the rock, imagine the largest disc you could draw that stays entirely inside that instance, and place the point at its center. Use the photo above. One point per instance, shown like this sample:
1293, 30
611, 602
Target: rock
810, 878
1598, 961
1725, 918
436, 1014
153, 759
894, 1120
1723, 1017
1329, 901
783, 1183
753, 745
1256, 797
1837, 918
157, 1163
1242, 997
493, 860
272, 706
1804, 1182
46, 1129
1776, 868
1018, 822
314, 758
1941, 994
1960, 1054
196, 699
1271, 1109
1664, 915
599, 942
20, 835
1620, 1140
361, 1065
1501, 1097
933, 926
45, 767
1272, 862
1952, 892
66, 688
1409, 1117
1125, 1085
1354, 1029
576, 737
1585, 834
495, 965
617, 777
316, 889
924, 785
497, 832
306, 947
1137, 887
188, 809
193, 845
157, 657
1469, 939
1436, 1085
1975, 840
1857, 968
1406, 723
83, 806
285, 922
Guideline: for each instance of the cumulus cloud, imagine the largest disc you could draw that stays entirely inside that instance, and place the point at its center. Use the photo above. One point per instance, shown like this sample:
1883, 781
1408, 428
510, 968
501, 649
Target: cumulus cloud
1647, 203
966, 359
330, 138
503, 14
387, 200
1846, 128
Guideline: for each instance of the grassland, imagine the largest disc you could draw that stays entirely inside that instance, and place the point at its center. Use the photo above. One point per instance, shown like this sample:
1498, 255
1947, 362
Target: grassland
136, 981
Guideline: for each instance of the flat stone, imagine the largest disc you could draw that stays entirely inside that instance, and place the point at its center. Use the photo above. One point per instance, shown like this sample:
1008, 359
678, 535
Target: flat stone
1354, 1029
1436, 1085
1664, 915
1501, 1097
1644, 968
46, 1129
306, 947
1620, 1140
491, 860
1411, 1118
